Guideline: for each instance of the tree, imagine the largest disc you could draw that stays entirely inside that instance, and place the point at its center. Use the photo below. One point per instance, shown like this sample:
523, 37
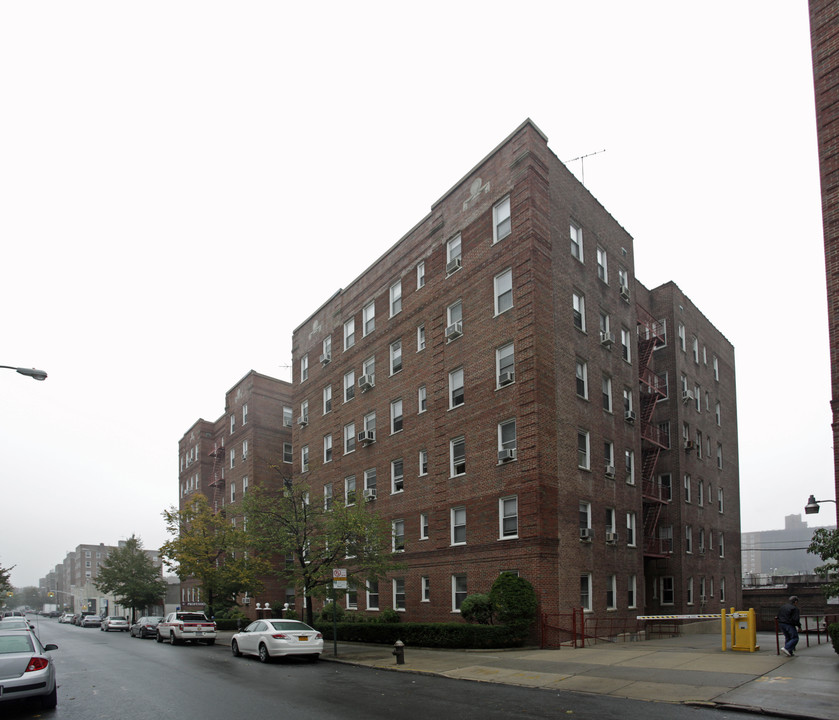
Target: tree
514, 601
311, 540
5, 582
131, 576
825, 544
209, 547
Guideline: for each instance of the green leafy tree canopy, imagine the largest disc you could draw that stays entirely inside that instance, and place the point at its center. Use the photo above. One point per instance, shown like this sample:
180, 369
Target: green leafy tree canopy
131, 576
207, 546
313, 539
5, 582
825, 544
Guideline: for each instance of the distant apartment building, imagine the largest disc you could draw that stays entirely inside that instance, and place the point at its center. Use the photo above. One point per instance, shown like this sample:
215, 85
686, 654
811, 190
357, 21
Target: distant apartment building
783, 552
240, 450
503, 390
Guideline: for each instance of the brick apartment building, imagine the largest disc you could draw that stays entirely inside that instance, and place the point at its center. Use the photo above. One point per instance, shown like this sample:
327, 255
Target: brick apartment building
505, 392
824, 38
222, 459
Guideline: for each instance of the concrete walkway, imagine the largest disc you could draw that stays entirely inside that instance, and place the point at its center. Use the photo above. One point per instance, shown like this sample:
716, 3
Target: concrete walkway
690, 669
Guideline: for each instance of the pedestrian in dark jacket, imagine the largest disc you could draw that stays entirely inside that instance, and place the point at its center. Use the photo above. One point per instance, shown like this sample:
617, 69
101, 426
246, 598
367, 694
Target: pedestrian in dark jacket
790, 621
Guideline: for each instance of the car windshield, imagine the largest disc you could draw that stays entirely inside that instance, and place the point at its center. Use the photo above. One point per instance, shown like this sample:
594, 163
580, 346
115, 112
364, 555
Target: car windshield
15, 644
290, 625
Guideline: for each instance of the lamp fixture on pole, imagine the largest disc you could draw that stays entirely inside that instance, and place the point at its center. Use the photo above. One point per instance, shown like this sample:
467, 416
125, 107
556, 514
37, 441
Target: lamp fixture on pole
31, 372
812, 506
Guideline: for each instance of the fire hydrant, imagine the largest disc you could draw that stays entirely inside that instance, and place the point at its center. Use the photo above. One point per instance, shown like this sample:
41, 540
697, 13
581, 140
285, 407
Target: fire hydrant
399, 651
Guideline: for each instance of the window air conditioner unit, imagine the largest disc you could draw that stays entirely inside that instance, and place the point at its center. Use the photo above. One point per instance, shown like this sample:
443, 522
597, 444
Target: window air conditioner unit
506, 378
585, 533
367, 436
687, 396
630, 416
607, 339
688, 445
506, 455
365, 382
610, 471
303, 420
702, 599
326, 358
455, 330
370, 494
624, 292
611, 537
453, 265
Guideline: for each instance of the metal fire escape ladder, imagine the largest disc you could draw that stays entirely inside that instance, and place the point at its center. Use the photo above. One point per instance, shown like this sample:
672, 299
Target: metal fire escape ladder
218, 478
652, 439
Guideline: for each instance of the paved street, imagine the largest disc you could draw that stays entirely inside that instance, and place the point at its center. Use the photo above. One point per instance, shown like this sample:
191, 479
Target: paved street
110, 675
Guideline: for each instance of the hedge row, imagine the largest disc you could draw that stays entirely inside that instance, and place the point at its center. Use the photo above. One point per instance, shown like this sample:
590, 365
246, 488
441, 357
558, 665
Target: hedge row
432, 635
833, 633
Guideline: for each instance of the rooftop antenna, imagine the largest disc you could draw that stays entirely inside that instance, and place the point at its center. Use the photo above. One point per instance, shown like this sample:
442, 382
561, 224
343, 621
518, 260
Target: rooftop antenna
582, 160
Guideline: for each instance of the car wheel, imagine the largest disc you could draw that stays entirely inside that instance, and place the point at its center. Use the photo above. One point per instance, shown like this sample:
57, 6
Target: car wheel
159, 638
48, 702
172, 639
234, 648
264, 656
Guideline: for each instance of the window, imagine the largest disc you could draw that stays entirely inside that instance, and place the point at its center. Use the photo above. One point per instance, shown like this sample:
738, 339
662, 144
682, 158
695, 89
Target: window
505, 365
327, 448
576, 233
454, 321
304, 411
352, 597
687, 487
666, 483
287, 453
398, 533
701, 541
458, 591
423, 526
395, 357
349, 490
508, 516
607, 393
716, 365
722, 590
395, 416
610, 521
349, 438
453, 255
456, 392
626, 339
304, 368
368, 319
507, 435
720, 500
719, 456
721, 544
458, 524
304, 459
396, 298
582, 378
631, 584
397, 476
501, 224
420, 274
689, 539
583, 449
630, 529
232, 424
349, 386
457, 456
681, 331
399, 593
690, 591
288, 415
245, 487
368, 367
717, 413
370, 421
349, 333
232, 458
627, 402
611, 592
327, 399
423, 462
370, 479
233, 492
420, 338
578, 303
700, 493
503, 291
623, 281
373, 595
425, 588
585, 520
609, 457
422, 399
585, 591
695, 348
667, 591
602, 269
327, 496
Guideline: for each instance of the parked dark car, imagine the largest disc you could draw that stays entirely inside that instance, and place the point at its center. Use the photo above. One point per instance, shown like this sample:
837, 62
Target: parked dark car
145, 627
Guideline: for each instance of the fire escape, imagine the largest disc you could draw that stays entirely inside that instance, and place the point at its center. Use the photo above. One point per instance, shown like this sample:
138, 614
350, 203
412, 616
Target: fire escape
653, 441
218, 478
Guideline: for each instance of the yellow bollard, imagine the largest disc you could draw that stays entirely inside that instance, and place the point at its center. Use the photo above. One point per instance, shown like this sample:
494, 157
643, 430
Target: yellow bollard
722, 623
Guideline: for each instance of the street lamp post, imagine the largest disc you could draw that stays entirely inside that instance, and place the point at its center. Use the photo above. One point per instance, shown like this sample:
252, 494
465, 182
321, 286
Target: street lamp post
30, 372
812, 506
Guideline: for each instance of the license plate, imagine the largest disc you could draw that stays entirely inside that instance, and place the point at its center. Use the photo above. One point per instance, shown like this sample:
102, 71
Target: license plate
303, 638
198, 632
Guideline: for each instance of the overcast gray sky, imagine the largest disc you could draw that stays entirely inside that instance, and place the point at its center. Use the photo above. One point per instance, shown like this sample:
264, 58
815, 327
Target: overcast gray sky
174, 176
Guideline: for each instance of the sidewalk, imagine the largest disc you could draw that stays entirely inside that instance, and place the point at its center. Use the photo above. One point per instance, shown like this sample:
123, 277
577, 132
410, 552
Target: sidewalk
690, 669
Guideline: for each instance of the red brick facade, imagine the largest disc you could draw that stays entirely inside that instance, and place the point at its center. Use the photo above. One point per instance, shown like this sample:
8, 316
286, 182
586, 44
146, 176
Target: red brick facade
558, 511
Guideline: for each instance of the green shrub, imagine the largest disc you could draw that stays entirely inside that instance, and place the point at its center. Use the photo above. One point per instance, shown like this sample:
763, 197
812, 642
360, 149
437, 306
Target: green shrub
331, 612
477, 608
514, 601
388, 616
833, 633
436, 635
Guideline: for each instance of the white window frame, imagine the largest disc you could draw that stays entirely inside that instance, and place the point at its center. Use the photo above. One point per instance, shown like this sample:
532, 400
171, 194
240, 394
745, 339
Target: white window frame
349, 385
396, 360
503, 362
368, 318
327, 448
501, 291
397, 417
459, 591
421, 341
420, 274
454, 442
396, 298
304, 459
578, 305
508, 517
349, 333
502, 222
399, 594
349, 438
327, 399
575, 233
422, 399
631, 529
454, 248
397, 530
422, 457
602, 265
457, 376
397, 476
457, 524
583, 454
581, 374
508, 444
585, 592
304, 368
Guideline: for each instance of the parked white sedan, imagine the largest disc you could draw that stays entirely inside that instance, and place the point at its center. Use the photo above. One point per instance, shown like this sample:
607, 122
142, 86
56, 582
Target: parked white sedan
277, 638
